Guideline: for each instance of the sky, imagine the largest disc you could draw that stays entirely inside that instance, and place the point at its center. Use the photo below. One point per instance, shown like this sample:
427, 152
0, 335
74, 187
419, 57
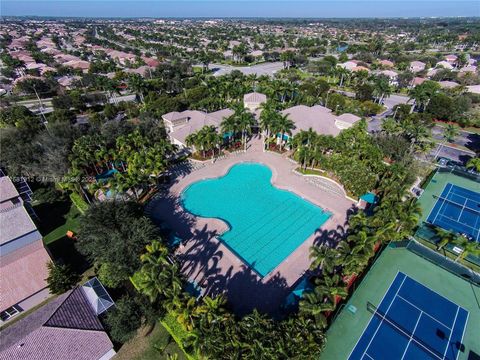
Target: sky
242, 8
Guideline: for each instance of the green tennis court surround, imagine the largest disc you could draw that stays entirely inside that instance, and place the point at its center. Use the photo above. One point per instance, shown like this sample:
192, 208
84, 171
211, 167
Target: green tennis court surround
346, 331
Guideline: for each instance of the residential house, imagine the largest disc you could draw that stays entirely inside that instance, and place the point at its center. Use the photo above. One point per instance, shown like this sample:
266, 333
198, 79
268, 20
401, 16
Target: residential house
386, 63
78, 64
474, 89
120, 56
417, 66
23, 257
66, 328
417, 81
256, 54
448, 84
392, 76
349, 65
468, 69
444, 64
451, 59
181, 124
153, 63
64, 58
66, 81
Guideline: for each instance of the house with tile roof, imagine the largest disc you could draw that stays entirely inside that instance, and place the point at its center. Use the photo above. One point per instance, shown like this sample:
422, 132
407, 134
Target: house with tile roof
417, 66
65, 328
181, 124
23, 257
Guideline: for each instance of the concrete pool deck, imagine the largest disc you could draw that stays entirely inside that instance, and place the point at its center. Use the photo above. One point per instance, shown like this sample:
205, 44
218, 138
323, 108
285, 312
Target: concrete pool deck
208, 262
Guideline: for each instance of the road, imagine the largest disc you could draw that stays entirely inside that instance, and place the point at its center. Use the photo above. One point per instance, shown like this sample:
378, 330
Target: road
464, 146
268, 69
34, 106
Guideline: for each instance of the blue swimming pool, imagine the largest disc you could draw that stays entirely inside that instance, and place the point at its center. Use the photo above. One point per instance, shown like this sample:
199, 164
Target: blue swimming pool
266, 224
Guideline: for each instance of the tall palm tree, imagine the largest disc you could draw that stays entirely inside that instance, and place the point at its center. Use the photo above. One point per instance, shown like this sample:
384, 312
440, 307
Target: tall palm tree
245, 121
283, 125
267, 119
230, 125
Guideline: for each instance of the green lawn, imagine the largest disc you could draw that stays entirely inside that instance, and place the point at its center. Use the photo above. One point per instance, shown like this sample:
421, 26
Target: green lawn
155, 345
56, 219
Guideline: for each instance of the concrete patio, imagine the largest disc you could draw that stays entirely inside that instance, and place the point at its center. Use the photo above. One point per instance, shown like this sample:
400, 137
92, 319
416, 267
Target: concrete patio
212, 265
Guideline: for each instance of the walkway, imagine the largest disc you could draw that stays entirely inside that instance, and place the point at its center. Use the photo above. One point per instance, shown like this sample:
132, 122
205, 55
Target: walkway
208, 262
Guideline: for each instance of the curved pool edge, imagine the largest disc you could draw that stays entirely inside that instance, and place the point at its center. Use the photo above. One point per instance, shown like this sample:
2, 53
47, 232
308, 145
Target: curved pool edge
273, 174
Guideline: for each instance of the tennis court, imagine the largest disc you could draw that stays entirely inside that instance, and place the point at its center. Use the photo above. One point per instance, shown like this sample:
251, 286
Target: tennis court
457, 209
412, 322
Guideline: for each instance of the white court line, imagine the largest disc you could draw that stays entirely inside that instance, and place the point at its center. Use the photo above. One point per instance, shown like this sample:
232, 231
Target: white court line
463, 333
461, 211
444, 202
368, 356
477, 238
411, 336
383, 317
451, 332
430, 316
373, 315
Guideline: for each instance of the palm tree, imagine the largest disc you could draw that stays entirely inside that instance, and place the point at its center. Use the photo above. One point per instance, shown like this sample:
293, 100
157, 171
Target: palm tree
445, 238
474, 163
245, 121
283, 125
137, 84
211, 138
312, 305
267, 118
450, 132
325, 258
230, 125
157, 278
332, 287
469, 247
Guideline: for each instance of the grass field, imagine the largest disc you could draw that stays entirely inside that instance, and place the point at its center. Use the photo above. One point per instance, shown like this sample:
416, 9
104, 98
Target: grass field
348, 327
56, 219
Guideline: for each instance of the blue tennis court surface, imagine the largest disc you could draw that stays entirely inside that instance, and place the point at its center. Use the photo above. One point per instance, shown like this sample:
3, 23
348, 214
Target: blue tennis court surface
412, 322
457, 209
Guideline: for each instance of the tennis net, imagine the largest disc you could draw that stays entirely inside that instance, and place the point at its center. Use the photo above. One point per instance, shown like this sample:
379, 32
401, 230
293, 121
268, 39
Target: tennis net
401, 329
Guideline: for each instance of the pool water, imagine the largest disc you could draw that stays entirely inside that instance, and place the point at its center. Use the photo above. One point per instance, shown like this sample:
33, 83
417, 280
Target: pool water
266, 224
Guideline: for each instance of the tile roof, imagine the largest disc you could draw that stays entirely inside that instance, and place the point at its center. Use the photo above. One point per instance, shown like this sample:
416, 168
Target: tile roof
23, 273
48, 333
14, 221
75, 313
254, 97
7, 189
317, 117
196, 120
47, 343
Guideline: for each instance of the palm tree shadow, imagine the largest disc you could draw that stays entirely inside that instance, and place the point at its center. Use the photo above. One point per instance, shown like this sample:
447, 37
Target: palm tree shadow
200, 258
